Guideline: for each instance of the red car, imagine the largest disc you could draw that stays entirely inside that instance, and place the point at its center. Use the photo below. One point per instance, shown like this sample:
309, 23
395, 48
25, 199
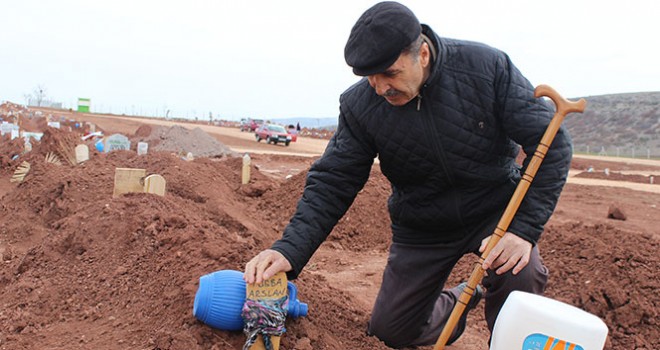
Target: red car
274, 133
251, 124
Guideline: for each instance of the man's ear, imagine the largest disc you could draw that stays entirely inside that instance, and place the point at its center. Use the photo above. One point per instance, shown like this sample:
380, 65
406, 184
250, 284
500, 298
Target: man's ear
425, 54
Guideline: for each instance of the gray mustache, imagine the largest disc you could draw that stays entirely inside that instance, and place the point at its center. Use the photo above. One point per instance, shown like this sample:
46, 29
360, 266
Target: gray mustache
391, 93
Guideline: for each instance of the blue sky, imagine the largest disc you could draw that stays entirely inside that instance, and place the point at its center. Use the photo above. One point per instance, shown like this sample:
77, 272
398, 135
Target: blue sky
280, 59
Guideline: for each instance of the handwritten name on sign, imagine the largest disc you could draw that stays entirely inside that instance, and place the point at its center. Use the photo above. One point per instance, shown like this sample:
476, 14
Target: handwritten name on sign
273, 288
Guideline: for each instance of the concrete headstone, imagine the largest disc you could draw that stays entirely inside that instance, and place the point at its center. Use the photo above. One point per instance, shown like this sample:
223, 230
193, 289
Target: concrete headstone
82, 153
155, 184
6, 128
142, 148
116, 142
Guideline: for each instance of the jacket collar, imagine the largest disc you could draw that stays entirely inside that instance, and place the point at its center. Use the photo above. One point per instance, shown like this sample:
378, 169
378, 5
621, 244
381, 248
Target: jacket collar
438, 47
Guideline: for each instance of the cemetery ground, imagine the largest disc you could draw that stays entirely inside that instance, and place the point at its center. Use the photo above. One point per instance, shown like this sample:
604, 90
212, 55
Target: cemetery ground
84, 270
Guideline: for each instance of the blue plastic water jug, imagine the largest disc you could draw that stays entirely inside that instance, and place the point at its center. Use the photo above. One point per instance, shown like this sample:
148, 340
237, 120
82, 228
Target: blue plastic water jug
99, 145
221, 295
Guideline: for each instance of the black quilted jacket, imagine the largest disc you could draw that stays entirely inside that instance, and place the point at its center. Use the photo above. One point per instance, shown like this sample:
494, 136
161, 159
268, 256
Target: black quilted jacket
449, 154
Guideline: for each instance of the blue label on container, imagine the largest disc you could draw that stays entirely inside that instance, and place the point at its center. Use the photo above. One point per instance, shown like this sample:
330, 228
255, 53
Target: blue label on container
539, 341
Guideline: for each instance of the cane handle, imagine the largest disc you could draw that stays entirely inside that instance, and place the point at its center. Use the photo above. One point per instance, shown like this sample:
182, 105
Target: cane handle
563, 105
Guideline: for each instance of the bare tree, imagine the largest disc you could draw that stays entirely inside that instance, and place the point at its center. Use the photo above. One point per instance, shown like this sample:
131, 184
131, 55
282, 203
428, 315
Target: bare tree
38, 95
40, 92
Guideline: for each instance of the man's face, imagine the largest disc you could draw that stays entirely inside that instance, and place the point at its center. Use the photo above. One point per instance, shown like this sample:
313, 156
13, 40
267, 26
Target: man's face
401, 82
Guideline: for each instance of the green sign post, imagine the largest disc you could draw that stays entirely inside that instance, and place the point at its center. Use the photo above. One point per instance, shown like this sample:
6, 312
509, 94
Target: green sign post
83, 104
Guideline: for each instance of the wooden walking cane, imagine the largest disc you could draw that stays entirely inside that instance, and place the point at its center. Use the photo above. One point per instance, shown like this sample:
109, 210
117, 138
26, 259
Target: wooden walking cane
563, 107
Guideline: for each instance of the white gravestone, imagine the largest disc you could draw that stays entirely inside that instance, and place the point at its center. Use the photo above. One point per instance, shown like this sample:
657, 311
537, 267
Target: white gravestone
6, 128
142, 148
82, 153
116, 142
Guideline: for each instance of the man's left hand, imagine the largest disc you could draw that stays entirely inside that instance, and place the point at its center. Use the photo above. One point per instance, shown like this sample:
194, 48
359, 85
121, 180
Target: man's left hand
510, 252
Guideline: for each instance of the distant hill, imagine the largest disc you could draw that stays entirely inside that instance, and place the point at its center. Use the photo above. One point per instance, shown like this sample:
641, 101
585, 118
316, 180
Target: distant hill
618, 125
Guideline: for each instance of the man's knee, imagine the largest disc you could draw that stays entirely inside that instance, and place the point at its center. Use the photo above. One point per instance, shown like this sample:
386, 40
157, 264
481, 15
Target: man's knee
393, 336
533, 278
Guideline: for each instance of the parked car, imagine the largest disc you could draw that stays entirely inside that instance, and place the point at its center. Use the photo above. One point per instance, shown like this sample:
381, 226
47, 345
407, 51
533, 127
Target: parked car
293, 132
250, 124
273, 133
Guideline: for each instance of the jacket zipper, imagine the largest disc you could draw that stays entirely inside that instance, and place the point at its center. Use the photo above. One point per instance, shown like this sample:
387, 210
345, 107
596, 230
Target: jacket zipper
436, 144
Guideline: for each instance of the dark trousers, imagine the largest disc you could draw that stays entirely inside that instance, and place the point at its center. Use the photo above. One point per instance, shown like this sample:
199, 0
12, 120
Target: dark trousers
412, 307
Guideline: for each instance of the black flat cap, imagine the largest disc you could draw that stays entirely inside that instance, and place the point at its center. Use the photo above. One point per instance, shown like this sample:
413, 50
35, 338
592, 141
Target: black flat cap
379, 36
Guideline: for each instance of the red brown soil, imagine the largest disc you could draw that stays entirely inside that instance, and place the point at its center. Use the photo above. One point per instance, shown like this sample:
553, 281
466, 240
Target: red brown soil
83, 270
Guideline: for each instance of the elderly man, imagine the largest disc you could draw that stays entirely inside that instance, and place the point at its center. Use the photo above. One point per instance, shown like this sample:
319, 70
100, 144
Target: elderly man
445, 118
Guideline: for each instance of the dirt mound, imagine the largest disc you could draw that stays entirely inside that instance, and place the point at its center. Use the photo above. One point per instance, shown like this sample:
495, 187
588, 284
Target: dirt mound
610, 273
10, 151
180, 140
366, 225
63, 222
143, 132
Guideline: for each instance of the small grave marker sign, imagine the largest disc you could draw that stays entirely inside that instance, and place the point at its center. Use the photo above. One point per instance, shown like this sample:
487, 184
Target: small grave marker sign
128, 180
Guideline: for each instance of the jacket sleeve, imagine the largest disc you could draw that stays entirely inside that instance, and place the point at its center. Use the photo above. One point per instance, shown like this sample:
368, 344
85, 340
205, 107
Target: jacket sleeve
332, 184
525, 119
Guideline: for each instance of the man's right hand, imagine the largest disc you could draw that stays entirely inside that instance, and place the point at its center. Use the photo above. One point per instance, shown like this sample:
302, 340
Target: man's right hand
265, 265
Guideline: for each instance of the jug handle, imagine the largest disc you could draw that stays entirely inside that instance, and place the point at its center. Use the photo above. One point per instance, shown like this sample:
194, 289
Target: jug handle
293, 291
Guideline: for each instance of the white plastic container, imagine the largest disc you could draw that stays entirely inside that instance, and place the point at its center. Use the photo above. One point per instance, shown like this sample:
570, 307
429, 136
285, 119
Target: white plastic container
533, 322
